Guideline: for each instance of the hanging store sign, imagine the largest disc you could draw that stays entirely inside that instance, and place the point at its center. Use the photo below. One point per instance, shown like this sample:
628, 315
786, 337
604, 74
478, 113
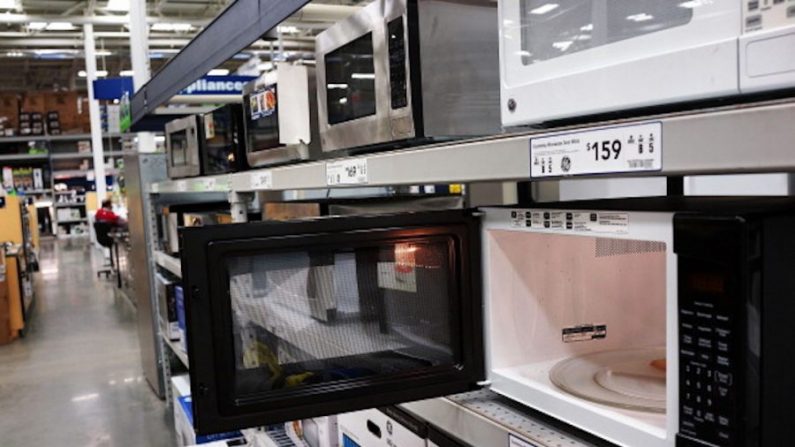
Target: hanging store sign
218, 85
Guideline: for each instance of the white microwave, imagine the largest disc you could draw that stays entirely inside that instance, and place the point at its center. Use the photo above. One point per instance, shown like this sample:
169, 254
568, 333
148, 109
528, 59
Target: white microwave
565, 58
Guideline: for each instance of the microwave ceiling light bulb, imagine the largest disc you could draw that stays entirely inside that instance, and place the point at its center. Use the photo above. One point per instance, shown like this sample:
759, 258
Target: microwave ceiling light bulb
642, 17
545, 8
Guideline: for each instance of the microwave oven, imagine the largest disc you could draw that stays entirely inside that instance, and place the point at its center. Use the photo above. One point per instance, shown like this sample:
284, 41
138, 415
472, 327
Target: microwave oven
399, 72
566, 59
280, 115
651, 322
207, 144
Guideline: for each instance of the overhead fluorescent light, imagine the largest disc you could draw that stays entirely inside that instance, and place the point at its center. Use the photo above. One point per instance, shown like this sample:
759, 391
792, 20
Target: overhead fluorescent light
343, 100
100, 73
14, 54
103, 52
218, 72
642, 17
545, 8
10, 4
337, 86
127, 73
60, 26
37, 26
166, 26
363, 76
118, 5
287, 29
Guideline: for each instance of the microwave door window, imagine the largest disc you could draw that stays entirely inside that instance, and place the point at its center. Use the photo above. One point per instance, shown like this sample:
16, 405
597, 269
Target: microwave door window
179, 148
350, 81
219, 142
554, 29
313, 317
262, 114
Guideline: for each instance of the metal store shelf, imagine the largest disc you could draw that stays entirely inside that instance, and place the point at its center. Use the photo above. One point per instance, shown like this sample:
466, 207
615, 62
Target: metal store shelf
70, 204
483, 418
181, 355
168, 262
23, 157
747, 139
72, 221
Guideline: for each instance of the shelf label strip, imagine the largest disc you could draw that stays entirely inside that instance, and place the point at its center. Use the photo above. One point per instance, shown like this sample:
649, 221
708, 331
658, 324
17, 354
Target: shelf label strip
347, 172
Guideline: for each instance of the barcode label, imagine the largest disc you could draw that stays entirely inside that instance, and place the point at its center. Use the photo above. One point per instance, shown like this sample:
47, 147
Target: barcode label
262, 180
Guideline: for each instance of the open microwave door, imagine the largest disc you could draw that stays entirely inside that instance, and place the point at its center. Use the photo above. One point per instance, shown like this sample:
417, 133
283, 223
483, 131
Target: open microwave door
301, 319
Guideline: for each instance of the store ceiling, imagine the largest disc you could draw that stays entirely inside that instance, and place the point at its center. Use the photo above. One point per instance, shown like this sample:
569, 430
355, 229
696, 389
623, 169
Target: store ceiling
41, 41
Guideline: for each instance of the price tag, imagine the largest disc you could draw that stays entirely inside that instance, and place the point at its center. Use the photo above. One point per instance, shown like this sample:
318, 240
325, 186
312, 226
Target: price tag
631, 148
182, 186
262, 180
347, 172
209, 184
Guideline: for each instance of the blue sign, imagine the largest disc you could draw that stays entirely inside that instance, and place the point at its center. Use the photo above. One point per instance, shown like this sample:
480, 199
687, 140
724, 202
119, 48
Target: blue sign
218, 85
113, 88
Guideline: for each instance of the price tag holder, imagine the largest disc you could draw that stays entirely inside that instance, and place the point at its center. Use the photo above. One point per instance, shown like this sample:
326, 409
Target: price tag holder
262, 180
182, 186
347, 172
609, 150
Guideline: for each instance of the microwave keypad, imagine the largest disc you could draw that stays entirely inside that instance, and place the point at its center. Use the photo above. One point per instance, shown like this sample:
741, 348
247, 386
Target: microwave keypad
706, 396
397, 64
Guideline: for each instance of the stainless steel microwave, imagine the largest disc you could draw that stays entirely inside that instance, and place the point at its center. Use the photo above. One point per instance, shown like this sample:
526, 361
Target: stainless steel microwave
280, 115
562, 59
206, 144
654, 323
402, 71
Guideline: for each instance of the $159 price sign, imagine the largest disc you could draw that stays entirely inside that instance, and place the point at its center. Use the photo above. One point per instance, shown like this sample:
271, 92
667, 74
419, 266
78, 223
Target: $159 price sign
630, 148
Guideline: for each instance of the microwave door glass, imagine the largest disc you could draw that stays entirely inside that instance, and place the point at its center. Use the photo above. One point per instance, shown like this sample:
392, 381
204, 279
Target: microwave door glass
179, 148
262, 114
220, 154
551, 30
350, 81
317, 316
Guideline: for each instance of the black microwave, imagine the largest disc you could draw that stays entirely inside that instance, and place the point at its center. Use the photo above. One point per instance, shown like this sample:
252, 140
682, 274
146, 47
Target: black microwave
643, 322
206, 144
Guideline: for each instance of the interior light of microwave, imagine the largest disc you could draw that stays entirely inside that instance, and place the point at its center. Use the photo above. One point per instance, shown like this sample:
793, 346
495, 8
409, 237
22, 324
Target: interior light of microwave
563, 45
642, 17
545, 8
363, 76
588, 27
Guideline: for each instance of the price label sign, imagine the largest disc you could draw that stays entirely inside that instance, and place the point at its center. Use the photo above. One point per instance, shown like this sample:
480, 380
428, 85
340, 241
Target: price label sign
609, 150
347, 172
262, 180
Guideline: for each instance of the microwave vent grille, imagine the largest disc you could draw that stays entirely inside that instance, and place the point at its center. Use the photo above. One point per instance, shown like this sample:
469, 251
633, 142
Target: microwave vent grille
618, 247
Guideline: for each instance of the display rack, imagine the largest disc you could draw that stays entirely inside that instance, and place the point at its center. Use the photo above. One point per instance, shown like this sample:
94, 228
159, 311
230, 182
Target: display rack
170, 263
179, 353
737, 139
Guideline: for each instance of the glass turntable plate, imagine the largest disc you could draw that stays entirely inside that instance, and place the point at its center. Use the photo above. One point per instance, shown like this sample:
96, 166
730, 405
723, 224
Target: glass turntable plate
631, 379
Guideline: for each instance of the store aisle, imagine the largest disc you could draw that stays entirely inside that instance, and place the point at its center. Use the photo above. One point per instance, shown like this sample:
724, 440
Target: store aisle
75, 379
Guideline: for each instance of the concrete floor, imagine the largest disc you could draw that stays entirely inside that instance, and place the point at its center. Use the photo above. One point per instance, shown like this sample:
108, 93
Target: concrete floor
76, 379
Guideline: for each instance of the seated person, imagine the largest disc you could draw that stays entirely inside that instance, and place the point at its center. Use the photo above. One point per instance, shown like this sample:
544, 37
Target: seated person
106, 214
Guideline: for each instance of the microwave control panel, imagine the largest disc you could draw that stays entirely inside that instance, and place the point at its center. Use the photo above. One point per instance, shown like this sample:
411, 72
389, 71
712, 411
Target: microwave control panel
761, 15
398, 82
707, 355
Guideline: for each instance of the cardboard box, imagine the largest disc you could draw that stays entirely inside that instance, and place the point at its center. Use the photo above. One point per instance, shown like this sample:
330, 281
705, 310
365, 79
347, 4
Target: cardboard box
9, 110
314, 432
374, 428
183, 425
34, 102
